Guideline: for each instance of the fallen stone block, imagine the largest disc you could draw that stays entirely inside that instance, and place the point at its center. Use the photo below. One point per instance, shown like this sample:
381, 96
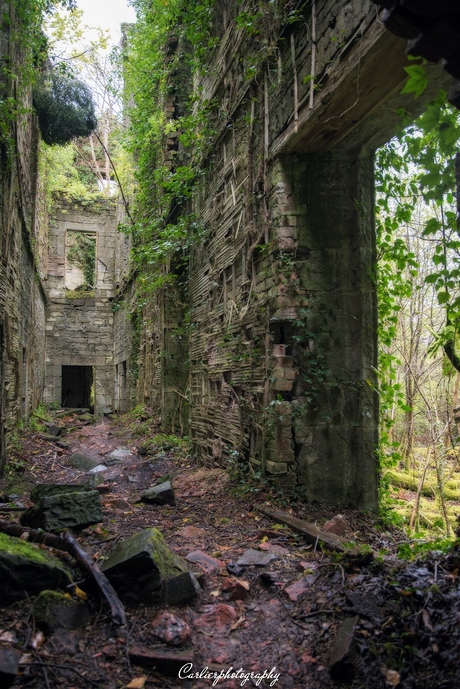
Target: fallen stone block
45, 490
162, 494
171, 629
98, 469
80, 461
26, 569
220, 616
207, 563
54, 429
137, 567
164, 661
337, 525
255, 557
65, 511
53, 610
117, 456
181, 589
9, 666
270, 578
341, 663
236, 589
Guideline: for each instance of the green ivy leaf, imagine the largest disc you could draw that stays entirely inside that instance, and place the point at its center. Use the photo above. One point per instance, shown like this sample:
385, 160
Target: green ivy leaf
443, 297
417, 81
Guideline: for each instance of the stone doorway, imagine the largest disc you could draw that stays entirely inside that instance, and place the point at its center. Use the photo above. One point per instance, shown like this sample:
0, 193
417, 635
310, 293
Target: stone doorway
77, 386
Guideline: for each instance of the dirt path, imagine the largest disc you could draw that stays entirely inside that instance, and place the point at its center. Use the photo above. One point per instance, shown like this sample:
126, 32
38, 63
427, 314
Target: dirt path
283, 619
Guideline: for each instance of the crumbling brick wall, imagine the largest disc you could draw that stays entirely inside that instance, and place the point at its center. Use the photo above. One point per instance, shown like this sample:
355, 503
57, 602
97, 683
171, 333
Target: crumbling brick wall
22, 298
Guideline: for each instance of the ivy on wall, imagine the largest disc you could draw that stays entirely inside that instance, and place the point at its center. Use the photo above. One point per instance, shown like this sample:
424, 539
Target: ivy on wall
21, 67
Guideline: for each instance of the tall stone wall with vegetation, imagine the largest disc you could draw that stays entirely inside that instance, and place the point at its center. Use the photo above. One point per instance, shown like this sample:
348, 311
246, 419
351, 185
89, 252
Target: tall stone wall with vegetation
22, 230
266, 178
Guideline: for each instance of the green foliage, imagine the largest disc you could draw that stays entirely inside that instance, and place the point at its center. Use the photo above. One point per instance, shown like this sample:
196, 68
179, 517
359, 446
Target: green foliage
417, 549
417, 82
65, 108
20, 73
82, 253
60, 174
165, 230
418, 164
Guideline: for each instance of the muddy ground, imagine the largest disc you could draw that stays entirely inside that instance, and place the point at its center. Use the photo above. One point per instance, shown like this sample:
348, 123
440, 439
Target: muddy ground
404, 616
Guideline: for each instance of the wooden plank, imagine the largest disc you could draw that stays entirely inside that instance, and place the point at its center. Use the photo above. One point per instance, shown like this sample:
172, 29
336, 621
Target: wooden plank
310, 531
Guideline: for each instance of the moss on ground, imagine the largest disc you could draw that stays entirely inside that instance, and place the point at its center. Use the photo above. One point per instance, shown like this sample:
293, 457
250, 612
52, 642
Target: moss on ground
15, 546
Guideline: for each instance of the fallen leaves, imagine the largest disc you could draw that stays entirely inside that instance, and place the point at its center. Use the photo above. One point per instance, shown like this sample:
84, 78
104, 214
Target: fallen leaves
137, 683
38, 640
392, 677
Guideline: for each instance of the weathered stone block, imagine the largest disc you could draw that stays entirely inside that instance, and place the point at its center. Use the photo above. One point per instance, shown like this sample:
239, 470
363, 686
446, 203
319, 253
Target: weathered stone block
282, 385
80, 461
45, 490
181, 589
276, 467
26, 569
9, 666
138, 566
65, 511
162, 494
53, 610
342, 660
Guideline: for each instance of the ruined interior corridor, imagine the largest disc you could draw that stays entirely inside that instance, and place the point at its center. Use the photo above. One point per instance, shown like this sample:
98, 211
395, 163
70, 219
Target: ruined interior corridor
263, 349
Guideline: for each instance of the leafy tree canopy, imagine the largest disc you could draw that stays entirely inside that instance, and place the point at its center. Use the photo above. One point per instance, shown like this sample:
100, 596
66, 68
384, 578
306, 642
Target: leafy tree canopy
65, 108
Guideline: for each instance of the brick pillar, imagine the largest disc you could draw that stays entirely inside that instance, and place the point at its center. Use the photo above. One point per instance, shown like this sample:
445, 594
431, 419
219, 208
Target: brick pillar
329, 327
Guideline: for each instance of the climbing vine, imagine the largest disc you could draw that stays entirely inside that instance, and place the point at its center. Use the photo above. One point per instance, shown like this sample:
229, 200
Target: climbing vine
175, 121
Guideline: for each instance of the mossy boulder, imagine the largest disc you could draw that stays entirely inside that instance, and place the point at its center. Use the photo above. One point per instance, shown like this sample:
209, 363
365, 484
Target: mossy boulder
137, 567
65, 511
26, 569
45, 490
54, 610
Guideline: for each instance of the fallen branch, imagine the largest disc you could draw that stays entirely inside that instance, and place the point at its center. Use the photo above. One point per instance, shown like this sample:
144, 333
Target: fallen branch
310, 531
68, 543
58, 666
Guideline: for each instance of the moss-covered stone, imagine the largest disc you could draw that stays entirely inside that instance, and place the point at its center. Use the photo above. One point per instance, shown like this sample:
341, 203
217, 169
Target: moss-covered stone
26, 569
65, 511
45, 490
54, 610
138, 566
79, 461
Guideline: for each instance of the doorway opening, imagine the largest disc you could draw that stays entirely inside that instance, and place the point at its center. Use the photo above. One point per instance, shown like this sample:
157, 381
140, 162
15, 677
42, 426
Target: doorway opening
77, 386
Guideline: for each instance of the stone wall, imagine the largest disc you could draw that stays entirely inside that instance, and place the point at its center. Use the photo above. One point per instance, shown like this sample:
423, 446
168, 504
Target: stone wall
283, 309
79, 327
22, 298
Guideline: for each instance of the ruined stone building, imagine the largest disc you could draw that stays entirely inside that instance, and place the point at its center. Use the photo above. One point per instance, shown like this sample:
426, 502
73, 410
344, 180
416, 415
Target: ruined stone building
56, 322
282, 294
268, 352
